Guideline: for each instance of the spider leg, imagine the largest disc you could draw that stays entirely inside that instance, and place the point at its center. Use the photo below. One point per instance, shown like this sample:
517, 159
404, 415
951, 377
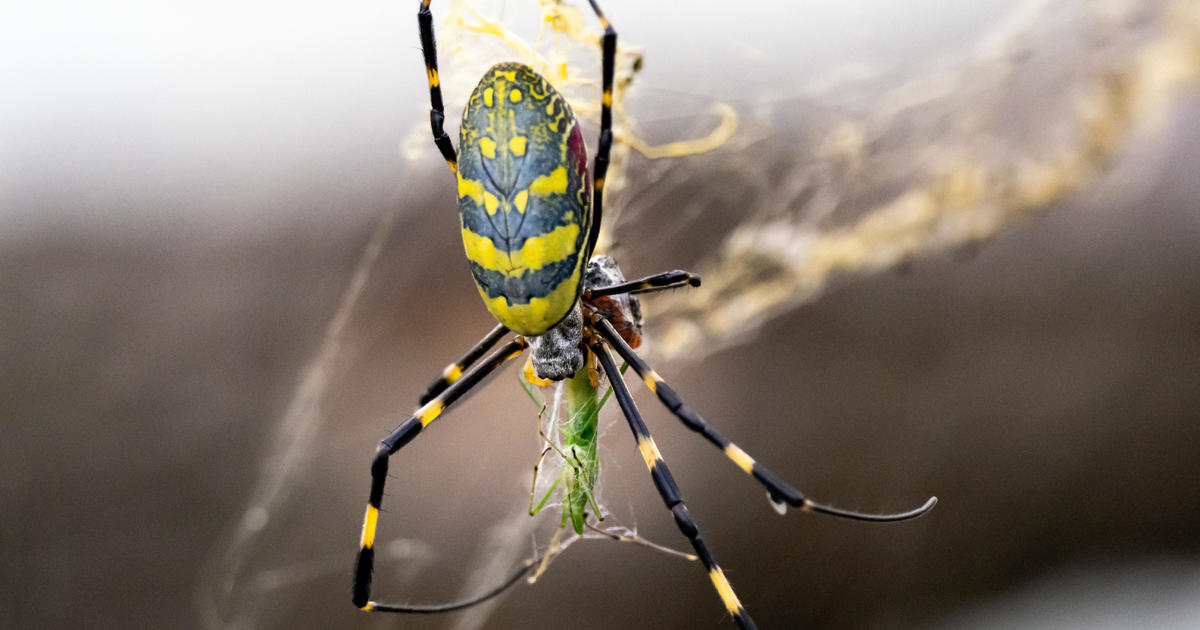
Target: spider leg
779, 489
600, 166
455, 370
365, 561
667, 489
512, 579
657, 282
437, 112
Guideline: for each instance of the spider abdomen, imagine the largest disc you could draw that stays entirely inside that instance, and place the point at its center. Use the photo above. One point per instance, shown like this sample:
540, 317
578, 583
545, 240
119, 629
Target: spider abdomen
523, 198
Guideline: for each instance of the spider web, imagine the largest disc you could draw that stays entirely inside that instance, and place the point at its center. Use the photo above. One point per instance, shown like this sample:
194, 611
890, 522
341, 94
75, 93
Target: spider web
881, 172
854, 172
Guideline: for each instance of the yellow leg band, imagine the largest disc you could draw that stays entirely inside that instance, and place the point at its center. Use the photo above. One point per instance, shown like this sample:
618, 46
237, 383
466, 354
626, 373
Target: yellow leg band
740, 457
369, 523
725, 590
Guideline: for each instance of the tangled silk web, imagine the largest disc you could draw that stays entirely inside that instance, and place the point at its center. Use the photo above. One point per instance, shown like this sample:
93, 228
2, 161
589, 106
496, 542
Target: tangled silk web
947, 159
856, 176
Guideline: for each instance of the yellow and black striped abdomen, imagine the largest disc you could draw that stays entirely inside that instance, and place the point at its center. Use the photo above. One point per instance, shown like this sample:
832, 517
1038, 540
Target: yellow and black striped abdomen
523, 198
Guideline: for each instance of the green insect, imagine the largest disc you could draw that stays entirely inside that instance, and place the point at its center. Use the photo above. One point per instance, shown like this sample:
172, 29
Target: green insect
529, 228
577, 448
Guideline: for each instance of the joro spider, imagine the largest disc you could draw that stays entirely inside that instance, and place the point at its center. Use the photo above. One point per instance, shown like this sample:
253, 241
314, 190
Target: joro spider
529, 230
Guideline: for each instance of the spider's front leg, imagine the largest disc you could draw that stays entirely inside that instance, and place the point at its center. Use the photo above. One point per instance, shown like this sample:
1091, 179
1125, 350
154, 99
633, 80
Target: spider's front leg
667, 488
451, 373
364, 563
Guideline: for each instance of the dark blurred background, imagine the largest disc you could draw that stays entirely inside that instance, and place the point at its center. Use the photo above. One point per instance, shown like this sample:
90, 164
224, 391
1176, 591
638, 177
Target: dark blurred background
186, 192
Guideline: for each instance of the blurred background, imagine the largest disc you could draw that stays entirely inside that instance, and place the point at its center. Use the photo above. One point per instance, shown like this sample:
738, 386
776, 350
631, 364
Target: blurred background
948, 251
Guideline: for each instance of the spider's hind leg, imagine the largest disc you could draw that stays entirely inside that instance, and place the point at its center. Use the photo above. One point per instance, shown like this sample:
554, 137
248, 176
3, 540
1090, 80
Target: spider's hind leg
608, 63
437, 111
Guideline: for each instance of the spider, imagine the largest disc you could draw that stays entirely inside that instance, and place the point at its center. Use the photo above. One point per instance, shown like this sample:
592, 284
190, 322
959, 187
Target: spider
529, 229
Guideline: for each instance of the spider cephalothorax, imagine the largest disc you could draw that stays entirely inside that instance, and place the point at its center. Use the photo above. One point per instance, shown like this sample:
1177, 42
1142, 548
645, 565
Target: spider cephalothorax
560, 352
